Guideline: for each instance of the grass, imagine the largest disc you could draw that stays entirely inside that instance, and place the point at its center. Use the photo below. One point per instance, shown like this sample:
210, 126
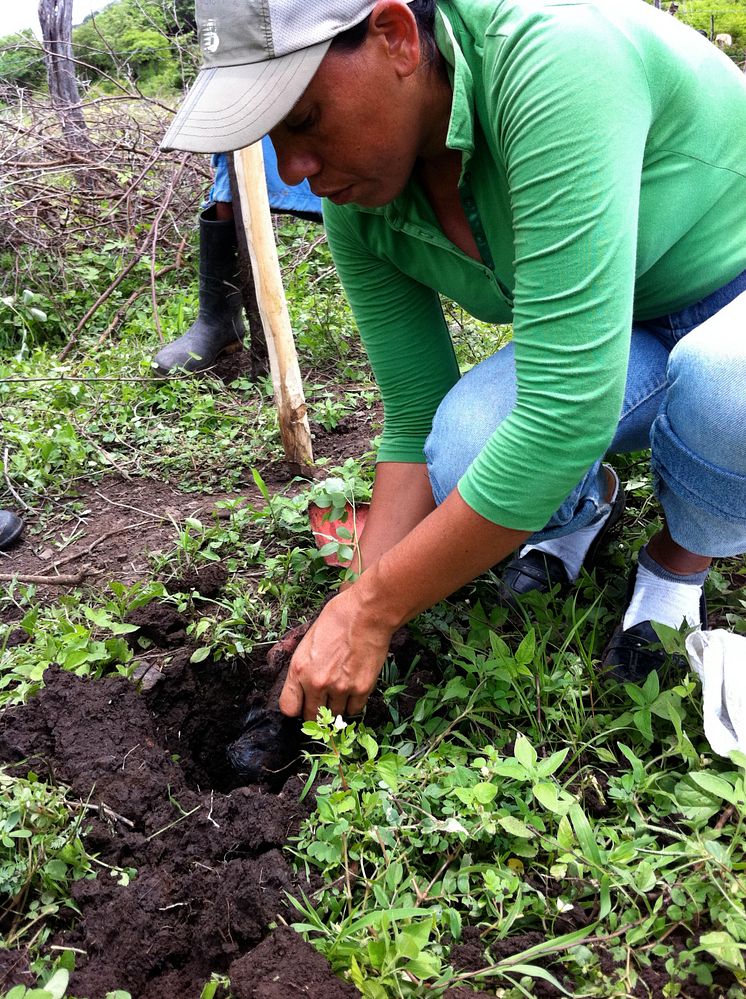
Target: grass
581, 836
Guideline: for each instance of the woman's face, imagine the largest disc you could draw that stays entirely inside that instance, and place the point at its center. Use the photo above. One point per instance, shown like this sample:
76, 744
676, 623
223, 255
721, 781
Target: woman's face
358, 129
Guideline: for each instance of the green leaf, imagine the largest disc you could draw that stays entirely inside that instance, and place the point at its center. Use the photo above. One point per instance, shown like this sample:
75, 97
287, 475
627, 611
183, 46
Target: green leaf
651, 688
57, 984
510, 768
644, 876
565, 836
484, 793
388, 770
56, 870
413, 939
424, 966
712, 784
524, 752
515, 827
260, 484
634, 761
455, 689
199, 655
546, 768
584, 834
643, 721
534, 971
547, 795
369, 744
723, 948
524, 654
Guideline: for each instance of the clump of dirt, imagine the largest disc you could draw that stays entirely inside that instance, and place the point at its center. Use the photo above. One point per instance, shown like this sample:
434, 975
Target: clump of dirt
469, 954
159, 623
284, 966
210, 874
207, 580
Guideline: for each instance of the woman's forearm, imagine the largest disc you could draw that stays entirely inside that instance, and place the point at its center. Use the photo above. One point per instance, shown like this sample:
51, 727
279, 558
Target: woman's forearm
447, 549
402, 498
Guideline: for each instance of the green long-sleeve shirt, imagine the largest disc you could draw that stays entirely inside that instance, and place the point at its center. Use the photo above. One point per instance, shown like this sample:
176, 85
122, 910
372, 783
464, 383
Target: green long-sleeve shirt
604, 177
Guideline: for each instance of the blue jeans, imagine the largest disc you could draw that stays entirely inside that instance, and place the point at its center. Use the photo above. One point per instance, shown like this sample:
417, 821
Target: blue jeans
685, 399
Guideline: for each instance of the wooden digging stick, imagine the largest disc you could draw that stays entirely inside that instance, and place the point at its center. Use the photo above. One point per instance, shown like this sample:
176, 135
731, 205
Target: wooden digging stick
283, 359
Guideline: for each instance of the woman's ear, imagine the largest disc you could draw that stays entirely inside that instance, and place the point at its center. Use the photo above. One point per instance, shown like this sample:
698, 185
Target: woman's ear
392, 25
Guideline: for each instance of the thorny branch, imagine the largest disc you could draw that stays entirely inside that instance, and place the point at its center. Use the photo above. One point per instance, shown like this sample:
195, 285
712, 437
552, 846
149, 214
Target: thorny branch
123, 195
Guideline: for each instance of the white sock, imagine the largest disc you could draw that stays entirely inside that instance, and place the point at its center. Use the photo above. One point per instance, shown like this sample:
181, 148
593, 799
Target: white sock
572, 548
662, 600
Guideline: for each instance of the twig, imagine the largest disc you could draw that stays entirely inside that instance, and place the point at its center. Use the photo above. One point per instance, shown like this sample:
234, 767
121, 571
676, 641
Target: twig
172, 824
124, 308
95, 543
9, 484
73, 579
119, 468
100, 301
76, 378
176, 175
546, 950
107, 812
127, 506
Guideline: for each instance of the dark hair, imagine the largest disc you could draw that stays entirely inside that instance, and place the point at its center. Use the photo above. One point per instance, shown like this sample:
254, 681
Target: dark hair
424, 14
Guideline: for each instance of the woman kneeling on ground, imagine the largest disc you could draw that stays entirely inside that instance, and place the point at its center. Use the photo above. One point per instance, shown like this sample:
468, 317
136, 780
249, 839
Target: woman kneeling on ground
577, 169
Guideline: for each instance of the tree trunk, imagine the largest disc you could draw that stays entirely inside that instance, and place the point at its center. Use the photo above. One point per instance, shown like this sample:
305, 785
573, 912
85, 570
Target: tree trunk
56, 20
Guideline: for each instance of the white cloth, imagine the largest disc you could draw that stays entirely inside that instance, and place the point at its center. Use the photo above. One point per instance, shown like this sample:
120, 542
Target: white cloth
719, 659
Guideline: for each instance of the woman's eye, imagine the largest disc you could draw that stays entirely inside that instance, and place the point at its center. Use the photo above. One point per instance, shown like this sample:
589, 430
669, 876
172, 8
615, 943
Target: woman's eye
302, 124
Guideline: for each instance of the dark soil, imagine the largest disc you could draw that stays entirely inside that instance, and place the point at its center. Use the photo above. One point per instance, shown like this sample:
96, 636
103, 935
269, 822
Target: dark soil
284, 966
210, 875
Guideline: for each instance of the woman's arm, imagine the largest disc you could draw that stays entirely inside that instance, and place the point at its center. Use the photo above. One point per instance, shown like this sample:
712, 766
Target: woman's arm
402, 497
338, 662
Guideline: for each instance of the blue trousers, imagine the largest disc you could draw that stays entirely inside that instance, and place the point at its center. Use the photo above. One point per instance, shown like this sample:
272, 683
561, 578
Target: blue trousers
685, 399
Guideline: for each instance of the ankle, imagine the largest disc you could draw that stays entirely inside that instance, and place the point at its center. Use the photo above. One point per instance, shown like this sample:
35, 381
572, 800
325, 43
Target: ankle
673, 557
665, 597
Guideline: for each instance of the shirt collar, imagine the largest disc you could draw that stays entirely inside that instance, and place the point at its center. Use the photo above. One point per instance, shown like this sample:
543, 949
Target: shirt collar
461, 125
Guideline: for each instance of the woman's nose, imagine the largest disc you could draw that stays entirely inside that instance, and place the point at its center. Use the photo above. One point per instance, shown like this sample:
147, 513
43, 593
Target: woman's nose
295, 165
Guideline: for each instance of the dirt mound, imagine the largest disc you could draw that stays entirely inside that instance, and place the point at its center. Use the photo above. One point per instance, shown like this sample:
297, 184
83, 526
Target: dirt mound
285, 966
211, 877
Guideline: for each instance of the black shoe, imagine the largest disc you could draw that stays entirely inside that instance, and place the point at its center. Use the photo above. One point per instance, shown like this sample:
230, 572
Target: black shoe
633, 654
218, 328
538, 571
10, 528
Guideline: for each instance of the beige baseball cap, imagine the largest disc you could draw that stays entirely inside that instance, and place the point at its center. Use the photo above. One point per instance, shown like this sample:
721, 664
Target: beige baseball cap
259, 57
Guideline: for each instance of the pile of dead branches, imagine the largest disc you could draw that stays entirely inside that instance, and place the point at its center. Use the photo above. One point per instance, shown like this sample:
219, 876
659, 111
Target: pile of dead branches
56, 199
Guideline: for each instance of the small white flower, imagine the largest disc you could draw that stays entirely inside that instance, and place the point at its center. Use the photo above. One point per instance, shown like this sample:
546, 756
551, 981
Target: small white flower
563, 906
339, 723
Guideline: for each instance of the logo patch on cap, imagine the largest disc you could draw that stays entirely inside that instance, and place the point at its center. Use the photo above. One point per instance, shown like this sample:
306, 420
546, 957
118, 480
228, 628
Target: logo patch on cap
209, 38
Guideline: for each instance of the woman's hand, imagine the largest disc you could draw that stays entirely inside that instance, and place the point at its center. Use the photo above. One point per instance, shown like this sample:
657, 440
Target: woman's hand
339, 660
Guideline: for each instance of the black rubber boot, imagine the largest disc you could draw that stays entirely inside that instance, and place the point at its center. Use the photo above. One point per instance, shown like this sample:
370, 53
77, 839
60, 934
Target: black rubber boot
10, 528
219, 327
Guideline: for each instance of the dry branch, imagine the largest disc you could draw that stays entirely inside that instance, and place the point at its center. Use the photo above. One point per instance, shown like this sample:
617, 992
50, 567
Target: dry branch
73, 579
